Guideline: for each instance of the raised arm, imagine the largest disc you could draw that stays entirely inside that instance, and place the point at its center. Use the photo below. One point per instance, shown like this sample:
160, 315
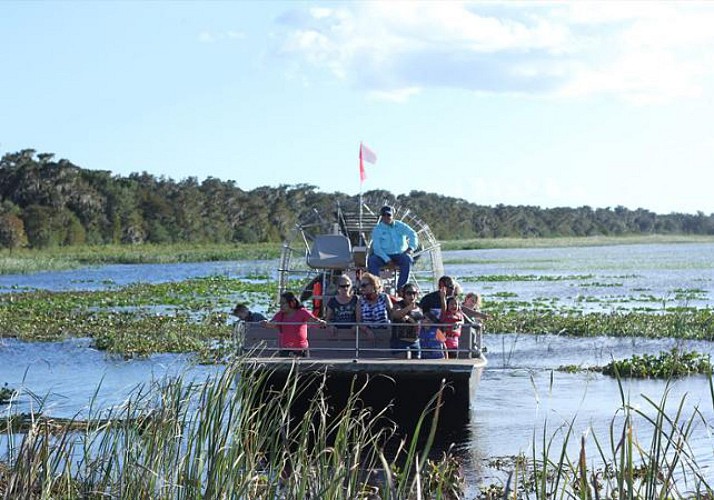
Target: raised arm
398, 313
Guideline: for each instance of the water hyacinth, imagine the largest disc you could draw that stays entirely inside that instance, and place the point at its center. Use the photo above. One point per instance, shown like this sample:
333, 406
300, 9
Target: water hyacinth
666, 365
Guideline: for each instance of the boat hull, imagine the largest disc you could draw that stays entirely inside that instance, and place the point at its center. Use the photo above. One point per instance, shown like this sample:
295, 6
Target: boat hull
402, 389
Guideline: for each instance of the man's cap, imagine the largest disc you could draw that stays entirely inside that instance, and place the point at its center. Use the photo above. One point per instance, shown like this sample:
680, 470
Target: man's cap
386, 210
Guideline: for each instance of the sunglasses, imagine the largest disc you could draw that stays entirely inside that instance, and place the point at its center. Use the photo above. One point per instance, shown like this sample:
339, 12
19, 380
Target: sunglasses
344, 286
363, 285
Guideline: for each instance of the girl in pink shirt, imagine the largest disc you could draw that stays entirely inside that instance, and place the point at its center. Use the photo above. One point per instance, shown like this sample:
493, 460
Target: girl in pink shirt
291, 321
453, 319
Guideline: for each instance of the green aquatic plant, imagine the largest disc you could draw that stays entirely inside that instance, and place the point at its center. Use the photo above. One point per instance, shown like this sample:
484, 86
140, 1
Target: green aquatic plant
234, 435
665, 365
20, 261
138, 319
189, 315
486, 278
694, 324
563, 241
620, 465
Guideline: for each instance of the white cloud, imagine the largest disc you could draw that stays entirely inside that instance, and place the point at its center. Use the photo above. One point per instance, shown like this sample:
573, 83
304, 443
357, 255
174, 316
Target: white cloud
641, 51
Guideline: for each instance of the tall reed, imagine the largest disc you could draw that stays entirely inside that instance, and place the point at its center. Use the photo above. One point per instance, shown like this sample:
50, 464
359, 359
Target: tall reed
230, 437
662, 465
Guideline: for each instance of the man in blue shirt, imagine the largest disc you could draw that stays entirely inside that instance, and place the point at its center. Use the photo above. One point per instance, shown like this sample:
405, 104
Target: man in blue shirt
392, 241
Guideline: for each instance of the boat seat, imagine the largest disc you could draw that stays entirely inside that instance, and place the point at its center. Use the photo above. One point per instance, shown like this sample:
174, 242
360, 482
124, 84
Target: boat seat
330, 251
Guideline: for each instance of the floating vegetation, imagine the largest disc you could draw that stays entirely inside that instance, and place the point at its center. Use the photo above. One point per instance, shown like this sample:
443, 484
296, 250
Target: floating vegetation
600, 284
693, 324
190, 315
135, 320
571, 368
667, 364
686, 294
525, 277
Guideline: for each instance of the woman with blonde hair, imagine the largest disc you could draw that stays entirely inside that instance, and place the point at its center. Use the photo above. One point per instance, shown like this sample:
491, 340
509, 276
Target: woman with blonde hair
342, 309
375, 306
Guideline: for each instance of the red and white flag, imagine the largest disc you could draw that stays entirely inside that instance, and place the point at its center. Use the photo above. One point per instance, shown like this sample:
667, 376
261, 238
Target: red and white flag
365, 155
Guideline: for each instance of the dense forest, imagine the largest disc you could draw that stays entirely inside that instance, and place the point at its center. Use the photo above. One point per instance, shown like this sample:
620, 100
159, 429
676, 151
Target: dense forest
47, 203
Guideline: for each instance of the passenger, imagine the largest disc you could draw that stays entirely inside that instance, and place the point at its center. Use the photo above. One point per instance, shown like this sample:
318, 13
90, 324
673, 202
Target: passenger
431, 302
407, 316
245, 314
375, 307
392, 241
471, 307
452, 319
291, 322
342, 309
432, 338
313, 290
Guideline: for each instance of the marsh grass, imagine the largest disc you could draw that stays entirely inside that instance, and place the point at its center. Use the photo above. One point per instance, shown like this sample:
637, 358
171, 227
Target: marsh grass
225, 438
23, 261
646, 455
584, 241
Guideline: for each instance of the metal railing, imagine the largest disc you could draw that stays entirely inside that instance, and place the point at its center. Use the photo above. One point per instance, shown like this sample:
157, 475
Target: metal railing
472, 331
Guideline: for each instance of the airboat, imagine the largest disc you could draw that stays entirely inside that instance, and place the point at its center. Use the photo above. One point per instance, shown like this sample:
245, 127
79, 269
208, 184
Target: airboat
322, 247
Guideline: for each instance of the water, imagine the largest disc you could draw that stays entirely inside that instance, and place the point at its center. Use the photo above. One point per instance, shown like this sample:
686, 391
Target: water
520, 391
601, 278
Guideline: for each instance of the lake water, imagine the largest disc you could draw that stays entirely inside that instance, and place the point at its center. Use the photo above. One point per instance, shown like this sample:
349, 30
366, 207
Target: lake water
520, 390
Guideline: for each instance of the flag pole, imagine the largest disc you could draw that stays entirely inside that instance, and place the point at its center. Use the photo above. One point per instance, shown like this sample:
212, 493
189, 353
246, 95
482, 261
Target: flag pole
361, 181
365, 155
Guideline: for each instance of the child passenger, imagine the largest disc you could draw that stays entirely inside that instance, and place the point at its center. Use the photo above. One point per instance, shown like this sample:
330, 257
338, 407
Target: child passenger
291, 321
471, 307
453, 320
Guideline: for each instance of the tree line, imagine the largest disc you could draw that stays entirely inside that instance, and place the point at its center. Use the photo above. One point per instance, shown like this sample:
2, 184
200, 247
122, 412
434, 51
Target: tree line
46, 203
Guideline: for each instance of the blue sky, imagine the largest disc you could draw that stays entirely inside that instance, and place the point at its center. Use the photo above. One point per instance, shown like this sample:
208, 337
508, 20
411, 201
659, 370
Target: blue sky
547, 104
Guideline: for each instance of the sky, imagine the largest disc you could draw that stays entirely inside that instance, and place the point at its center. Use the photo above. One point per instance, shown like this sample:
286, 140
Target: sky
549, 104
